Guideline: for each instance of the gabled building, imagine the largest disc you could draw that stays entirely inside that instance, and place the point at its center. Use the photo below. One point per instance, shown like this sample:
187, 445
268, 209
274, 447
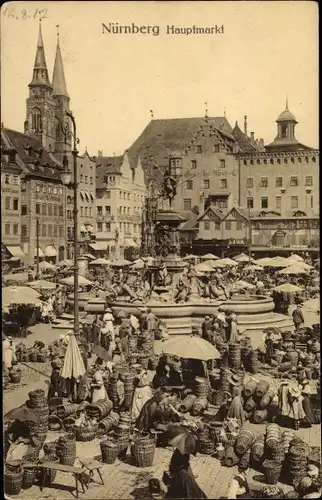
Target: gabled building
120, 193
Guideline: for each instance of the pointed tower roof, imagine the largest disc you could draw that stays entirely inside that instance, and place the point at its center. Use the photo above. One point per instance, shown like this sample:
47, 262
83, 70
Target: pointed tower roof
59, 82
40, 63
286, 115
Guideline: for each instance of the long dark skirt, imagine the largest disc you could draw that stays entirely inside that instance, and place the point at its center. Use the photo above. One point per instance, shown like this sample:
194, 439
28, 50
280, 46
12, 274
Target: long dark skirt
184, 485
308, 409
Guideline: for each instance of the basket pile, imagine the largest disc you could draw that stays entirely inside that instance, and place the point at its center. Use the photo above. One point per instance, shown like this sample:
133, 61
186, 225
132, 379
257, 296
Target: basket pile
66, 449
37, 402
258, 398
143, 451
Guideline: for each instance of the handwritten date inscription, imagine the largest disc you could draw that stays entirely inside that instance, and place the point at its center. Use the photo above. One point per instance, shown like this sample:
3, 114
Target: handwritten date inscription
23, 14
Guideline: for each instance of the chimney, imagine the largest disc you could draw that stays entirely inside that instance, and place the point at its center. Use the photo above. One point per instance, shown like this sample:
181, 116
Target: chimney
261, 143
252, 136
245, 124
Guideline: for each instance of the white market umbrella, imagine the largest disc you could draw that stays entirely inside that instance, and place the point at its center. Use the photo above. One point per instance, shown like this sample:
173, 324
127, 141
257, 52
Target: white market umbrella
254, 267
190, 257
241, 258
227, 262
263, 261
43, 285
46, 265
81, 281
288, 288
121, 263
298, 263
100, 262
210, 263
89, 256
296, 257
204, 268
66, 263
209, 256
19, 295
293, 270
138, 264
73, 363
190, 347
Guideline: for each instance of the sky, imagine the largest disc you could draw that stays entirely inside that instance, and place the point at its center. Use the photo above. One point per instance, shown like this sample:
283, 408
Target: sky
268, 50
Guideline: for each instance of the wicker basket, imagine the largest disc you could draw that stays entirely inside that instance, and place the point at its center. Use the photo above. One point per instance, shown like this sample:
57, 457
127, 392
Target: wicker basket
250, 388
257, 452
272, 471
54, 423
249, 405
69, 423
15, 376
144, 450
261, 388
109, 451
85, 434
29, 478
244, 441
12, 480
230, 459
259, 416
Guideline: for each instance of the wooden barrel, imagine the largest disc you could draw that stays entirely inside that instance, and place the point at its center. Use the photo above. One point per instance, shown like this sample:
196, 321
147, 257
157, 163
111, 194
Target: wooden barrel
15, 376
12, 479
143, 452
292, 356
250, 404
257, 451
66, 410
109, 422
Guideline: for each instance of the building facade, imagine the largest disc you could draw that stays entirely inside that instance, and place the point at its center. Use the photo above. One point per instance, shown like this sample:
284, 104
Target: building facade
10, 204
41, 199
120, 194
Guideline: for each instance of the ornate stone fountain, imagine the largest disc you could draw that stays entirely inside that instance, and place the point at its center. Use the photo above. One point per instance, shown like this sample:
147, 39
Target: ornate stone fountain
176, 297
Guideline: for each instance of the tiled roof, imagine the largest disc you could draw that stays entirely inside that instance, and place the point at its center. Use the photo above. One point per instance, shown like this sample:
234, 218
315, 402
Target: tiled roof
161, 137
287, 145
245, 144
48, 166
107, 165
214, 210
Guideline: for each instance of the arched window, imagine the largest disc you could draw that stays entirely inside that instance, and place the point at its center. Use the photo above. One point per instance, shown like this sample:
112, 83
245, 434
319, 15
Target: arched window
36, 120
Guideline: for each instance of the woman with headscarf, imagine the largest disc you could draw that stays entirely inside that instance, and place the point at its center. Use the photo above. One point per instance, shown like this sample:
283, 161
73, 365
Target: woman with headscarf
161, 377
180, 480
306, 402
98, 388
234, 335
142, 393
296, 404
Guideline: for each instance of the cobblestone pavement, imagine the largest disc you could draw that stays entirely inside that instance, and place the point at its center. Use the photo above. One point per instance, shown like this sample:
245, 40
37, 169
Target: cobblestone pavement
125, 481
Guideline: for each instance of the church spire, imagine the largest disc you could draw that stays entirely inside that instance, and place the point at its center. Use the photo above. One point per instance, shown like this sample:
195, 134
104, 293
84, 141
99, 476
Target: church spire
59, 82
40, 72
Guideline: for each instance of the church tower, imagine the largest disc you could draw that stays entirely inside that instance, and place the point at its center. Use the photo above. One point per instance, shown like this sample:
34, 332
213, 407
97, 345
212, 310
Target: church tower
62, 100
40, 112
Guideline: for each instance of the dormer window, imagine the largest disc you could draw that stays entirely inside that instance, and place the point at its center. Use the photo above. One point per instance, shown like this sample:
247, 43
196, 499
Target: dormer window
199, 148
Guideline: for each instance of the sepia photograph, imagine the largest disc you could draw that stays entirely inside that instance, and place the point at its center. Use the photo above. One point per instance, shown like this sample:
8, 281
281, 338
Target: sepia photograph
160, 250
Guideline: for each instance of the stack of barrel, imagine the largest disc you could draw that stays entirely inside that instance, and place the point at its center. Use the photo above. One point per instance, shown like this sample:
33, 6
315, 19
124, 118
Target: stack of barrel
206, 442
112, 390
99, 410
295, 465
37, 402
66, 412
234, 356
13, 475
259, 406
107, 424
128, 379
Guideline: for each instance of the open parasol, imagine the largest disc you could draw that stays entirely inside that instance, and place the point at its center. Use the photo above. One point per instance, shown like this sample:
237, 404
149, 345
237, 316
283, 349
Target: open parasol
296, 269
185, 442
204, 268
65, 263
120, 263
81, 281
23, 414
192, 347
43, 285
254, 267
100, 262
226, 262
102, 353
73, 362
19, 295
89, 256
209, 256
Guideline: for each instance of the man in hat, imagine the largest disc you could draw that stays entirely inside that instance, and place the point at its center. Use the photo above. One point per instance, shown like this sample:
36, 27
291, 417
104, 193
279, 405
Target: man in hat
298, 318
206, 328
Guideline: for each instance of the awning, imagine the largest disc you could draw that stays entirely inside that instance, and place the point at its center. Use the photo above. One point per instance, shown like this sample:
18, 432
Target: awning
40, 252
82, 229
129, 242
87, 196
50, 251
99, 246
82, 194
89, 228
15, 251
92, 196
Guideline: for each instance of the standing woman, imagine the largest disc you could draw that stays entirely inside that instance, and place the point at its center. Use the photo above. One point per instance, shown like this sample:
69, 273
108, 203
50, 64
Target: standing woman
180, 480
98, 388
296, 404
307, 403
56, 387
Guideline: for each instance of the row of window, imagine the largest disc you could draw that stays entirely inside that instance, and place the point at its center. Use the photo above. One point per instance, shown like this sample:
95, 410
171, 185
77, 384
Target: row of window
85, 211
51, 210
44, 188
124, 226
11, 179
99, 210
279, 161
44, 230
228, 225
279, 181
215, 149
278, 202
193, 163
206, 184
84, 178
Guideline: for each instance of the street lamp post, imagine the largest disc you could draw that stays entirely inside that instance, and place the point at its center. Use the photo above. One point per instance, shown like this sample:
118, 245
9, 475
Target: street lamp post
249, 229
67, 179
